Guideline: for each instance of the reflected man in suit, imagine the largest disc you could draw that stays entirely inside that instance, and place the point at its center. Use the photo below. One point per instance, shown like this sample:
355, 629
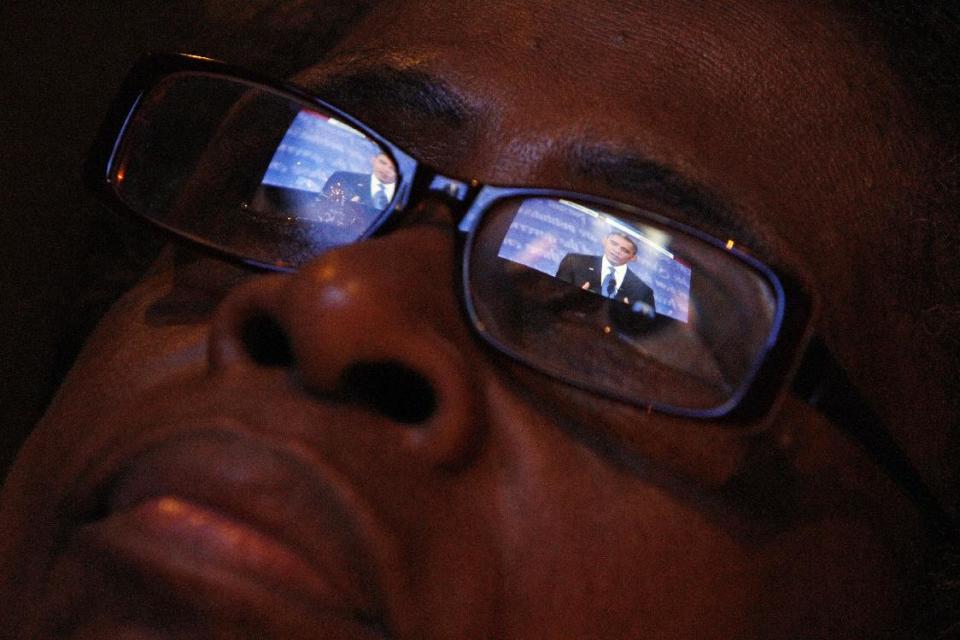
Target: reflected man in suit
608, 274
372, 191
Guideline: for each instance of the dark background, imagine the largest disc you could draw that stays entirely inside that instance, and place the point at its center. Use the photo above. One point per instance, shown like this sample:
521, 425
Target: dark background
59, 66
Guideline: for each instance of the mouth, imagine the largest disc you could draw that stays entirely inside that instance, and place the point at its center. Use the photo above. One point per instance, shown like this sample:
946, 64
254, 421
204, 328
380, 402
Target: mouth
214, 533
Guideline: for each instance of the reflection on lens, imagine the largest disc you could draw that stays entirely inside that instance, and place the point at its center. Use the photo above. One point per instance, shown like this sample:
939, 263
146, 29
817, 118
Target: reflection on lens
335, 163
250, 171
618, 303
599, 253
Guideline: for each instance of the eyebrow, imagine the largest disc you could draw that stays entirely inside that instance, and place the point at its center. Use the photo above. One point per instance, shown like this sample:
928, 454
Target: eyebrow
625, 170
415, 93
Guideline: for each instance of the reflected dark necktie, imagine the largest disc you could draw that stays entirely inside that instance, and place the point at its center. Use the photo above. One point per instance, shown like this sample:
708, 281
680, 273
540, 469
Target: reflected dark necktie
609, 287
380, 199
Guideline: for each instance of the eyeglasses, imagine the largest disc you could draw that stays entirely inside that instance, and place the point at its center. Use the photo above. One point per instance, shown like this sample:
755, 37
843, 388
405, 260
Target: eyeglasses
616, 300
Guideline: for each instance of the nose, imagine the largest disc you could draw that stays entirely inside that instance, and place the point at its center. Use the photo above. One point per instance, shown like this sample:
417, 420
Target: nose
376, 325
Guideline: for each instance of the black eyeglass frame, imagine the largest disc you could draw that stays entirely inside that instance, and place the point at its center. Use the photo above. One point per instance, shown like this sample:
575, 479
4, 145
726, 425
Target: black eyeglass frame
792, 356
750, 402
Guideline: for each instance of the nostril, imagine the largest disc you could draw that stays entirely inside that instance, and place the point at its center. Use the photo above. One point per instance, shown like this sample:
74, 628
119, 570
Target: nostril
390, 388
266, 342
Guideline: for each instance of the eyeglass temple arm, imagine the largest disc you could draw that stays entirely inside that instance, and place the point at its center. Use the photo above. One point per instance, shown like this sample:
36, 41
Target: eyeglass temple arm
823, 383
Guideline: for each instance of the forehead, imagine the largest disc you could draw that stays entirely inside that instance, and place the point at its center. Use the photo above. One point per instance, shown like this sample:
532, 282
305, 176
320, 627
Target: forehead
637, 54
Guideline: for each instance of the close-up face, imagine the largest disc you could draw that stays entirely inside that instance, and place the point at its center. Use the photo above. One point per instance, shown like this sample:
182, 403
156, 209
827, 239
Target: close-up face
618, 249
383, 168
336, 453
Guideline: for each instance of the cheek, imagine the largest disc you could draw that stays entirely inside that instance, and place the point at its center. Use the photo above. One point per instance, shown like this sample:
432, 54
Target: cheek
122, 358
156, 331
131, 351
637, 564
595, 549
138, 344
641, 561
592, 548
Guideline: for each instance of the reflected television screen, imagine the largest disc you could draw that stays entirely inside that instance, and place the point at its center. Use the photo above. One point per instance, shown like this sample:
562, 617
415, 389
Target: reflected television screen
568, 240
315, 147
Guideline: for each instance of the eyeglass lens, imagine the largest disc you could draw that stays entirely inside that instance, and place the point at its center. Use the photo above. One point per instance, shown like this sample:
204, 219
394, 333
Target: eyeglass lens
249, 171
623, 305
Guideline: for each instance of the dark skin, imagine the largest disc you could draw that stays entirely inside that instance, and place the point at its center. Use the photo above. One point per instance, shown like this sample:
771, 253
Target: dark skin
195, 478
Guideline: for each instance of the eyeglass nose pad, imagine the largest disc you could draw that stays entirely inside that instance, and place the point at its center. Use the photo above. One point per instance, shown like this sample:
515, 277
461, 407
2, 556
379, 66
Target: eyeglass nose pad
374, 338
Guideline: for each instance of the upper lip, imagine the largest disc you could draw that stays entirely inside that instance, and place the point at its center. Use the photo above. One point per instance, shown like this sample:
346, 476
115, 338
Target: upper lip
266, 488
